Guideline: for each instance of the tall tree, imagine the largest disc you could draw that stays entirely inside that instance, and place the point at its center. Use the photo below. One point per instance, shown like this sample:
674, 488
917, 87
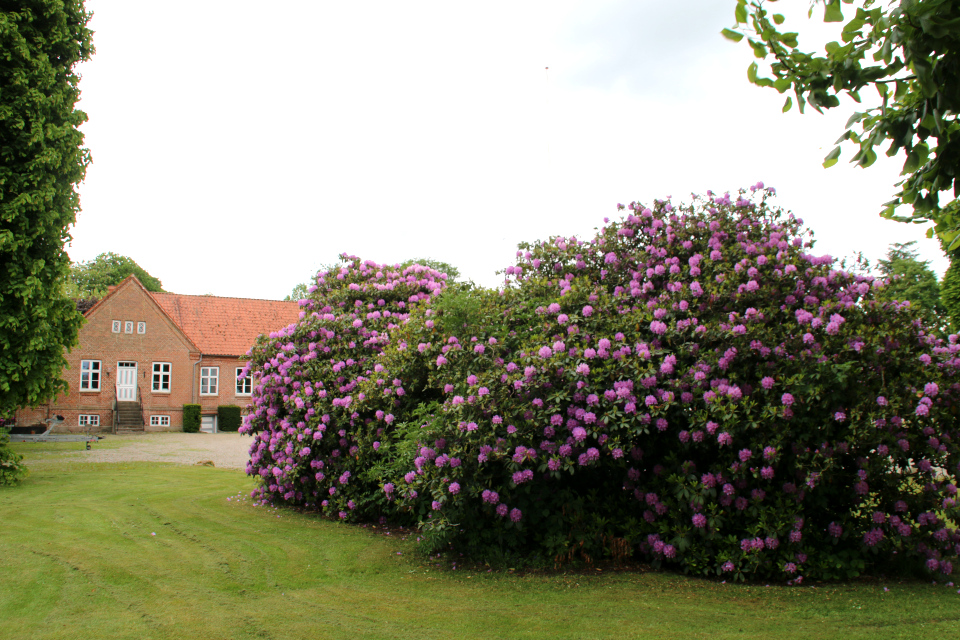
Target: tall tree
91, 279
909, 278
41, 161
908, 51
950, 294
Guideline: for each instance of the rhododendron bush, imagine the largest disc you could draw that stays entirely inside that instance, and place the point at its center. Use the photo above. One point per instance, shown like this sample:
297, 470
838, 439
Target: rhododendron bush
691, 387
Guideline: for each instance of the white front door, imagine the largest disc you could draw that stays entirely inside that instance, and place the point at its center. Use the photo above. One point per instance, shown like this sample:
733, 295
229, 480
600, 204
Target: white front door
208, 424
126, 381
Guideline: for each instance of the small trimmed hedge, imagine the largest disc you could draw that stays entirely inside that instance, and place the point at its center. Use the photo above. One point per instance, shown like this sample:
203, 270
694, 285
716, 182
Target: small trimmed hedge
228, 418
191, 418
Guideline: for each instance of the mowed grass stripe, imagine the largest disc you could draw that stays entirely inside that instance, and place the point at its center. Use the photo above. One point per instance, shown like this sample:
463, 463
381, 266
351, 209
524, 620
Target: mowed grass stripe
78, 560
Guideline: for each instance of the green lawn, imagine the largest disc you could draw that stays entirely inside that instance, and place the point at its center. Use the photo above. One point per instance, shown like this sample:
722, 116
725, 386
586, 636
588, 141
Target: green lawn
143, 550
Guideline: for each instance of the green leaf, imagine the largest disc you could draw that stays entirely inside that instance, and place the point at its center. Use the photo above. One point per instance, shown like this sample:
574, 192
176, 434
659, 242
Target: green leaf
831, 158
868, 158
832, 11
778, 18
732, 35
759, 49
752, 72
740, 13
856, 117
917, 158
789, 39
788, 104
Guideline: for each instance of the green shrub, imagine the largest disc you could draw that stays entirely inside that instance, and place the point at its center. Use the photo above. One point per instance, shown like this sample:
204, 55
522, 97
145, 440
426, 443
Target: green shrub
191, 418
228, 417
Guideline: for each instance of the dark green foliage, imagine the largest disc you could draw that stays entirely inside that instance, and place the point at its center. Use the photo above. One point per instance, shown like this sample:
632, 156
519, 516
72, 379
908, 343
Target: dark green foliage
911, 279
41, 162
91, 279
463, 308
12, 469
191, 418
950, 294
906, 51
228, 417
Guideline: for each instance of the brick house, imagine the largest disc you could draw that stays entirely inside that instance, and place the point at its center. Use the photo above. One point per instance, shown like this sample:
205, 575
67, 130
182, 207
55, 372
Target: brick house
141, 356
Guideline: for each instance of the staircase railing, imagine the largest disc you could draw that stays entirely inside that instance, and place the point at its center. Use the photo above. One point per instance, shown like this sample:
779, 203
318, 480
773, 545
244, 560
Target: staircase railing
143, 420
116, 410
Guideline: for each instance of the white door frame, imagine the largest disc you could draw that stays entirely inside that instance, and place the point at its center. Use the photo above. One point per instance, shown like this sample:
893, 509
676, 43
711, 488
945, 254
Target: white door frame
126, 381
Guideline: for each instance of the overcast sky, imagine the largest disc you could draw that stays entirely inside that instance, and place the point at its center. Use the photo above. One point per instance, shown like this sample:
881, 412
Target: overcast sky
239, 145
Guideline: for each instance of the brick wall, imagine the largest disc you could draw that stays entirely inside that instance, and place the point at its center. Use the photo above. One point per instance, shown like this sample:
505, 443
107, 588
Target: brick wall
161, 341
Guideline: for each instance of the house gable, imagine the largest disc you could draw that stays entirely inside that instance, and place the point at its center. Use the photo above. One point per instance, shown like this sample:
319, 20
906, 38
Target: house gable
130, 302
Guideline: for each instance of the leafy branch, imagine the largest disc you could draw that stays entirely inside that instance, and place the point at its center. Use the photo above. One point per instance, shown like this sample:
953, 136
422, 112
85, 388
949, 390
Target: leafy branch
918, 114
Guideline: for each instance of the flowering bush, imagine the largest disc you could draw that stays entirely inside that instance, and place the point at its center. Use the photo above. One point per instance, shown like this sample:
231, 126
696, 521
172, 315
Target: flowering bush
312, 445
691, 384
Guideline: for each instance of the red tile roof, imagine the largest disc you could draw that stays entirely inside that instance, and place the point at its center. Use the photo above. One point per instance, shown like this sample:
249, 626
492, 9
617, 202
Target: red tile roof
226, 326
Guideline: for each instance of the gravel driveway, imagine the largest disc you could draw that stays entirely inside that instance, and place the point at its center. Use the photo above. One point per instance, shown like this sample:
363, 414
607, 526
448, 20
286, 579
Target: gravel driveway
226, 450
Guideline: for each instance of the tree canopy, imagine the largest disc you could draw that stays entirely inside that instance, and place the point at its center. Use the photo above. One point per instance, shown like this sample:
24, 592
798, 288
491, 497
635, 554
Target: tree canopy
909, 278
909, 53
42, 161
950, 294
91, 279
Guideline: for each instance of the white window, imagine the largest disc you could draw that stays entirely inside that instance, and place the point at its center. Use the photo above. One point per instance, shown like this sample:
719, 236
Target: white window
161, 377
89, 420
209, 376
141, 327
116, 326
128, 326
244, 385
159, 421
89, 375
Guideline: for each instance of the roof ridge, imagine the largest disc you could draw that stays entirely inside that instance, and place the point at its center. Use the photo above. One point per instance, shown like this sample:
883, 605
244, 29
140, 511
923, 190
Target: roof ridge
193, 295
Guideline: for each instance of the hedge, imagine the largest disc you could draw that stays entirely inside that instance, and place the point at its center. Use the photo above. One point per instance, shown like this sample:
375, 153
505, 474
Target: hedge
191, 418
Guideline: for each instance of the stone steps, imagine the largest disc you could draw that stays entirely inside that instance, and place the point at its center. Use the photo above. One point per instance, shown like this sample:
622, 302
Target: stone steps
129, 418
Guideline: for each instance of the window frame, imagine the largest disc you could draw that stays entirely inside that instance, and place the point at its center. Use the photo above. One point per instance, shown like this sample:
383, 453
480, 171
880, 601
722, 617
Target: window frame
88, 420
161, 374
89, 373
160, 420
206, 378
244, 387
